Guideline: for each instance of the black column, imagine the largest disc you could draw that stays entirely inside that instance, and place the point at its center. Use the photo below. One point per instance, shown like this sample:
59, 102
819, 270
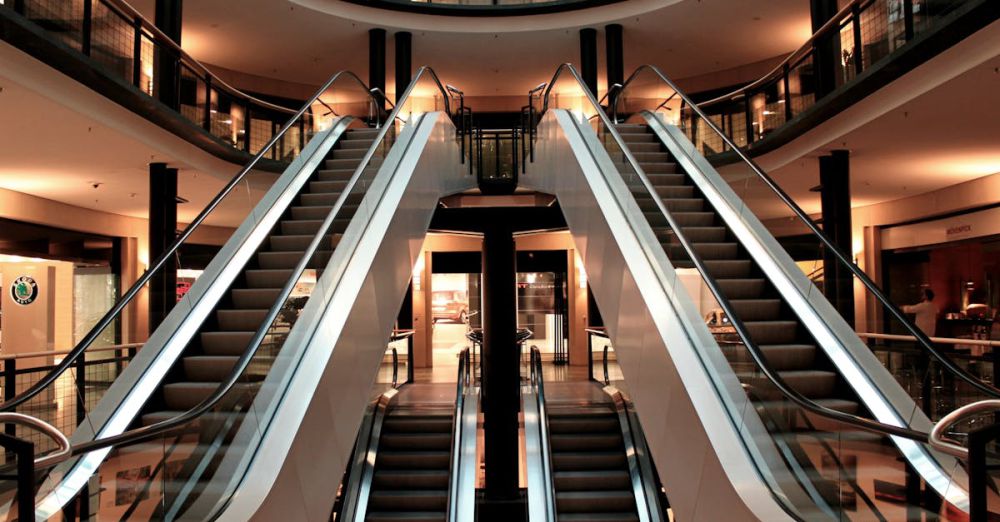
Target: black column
825, 49
501, 370
404, 62
588, 58
165, 62
376, 59
162, 233
616, 54
835, 196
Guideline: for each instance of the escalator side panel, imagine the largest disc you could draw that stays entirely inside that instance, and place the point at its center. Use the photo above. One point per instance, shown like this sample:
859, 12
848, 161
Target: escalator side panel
656, 332
875, 386
319, 410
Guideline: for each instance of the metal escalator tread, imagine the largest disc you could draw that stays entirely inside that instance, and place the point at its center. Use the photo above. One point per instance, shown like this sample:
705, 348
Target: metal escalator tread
411, 475
223, 338
770, 323
589, 465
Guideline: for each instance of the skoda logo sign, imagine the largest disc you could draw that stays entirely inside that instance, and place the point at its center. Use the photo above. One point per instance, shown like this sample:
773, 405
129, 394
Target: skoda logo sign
24, 290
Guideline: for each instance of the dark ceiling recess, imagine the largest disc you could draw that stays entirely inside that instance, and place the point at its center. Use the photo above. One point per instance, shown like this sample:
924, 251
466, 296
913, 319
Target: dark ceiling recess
25, 239
496, 9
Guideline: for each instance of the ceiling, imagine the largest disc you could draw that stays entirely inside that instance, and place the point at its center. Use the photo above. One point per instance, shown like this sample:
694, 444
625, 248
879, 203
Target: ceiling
285, 39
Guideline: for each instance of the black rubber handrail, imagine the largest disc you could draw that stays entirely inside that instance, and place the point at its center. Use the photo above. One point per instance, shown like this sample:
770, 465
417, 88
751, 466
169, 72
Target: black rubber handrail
841, 257
759, 358
161, 261
146, 432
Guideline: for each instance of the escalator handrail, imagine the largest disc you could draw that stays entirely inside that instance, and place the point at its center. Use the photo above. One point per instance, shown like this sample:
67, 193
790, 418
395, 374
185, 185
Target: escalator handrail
841, 257
457, 435
759, 358
160, 262
146, 432
537, 381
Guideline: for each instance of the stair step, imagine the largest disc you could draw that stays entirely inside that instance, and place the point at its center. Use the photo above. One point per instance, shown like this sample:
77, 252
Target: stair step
685, 219
255, 297
276, 260
407, 516
337, 176
349, 163
225, 343
781, 357
814, 384
410, 479
659, 179
351, 153
640, 147
583, 424
586, 442
319, 214
186, 395
741, 288
257, 278
415, 441
595, 501
301, 242
588, 460
248, 320
772, 332
209, 368
417, 424
704, 250
645, 157
408, 500
591, 480
599, 517
659, 167
693, 234
413, 459
756, 309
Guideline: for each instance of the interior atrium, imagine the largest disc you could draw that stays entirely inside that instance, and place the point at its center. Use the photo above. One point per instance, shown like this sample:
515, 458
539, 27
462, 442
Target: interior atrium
500, 260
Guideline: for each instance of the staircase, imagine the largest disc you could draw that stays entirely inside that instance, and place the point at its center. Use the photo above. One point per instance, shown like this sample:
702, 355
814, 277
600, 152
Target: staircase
412, 467
589, 465
227, 333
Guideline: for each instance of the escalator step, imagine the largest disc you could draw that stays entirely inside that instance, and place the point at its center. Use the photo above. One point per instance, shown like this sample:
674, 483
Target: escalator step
301, 243
299, 227
276, 260
240, 320
756, 309
586, 442
349, 142
782, 357
684, 204
662, 167
410, 479
814, 384
598, 517
640, 147
772, 332
689, 219
337, 176
407, 516
741, 288
636, 137
415, 441
254, 297
595, 501
209, 368
326, 187
408, 500
362, 133
704, 250
588, 460
729, 268
186, 395
591, 480
417, 424
694, 235
413, 460
349, 163
257, 278
583, 424
354, 153
225, 343
320, 213
645, 157
659, 179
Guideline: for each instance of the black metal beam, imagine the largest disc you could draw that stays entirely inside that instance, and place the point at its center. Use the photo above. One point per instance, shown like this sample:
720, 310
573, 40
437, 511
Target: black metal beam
404, 62
835, 198
588, 58
162, 232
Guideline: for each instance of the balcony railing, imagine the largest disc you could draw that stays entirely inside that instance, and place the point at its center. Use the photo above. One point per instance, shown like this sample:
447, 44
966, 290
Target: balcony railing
122, 44
483, 7
863, 36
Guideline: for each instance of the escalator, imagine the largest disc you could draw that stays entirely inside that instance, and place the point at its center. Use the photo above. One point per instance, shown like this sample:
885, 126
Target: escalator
415, 458
306, 280
587, 458
786, 413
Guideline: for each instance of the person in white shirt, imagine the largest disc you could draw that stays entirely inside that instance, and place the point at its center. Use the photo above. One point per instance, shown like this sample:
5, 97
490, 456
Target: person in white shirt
926, 312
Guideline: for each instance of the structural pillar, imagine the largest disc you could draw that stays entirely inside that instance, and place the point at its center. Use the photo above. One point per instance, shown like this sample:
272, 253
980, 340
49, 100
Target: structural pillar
501, 370
376, 59
165, 62
588, 58
825, 49
162, 233
404, 62
614, 47
835, 198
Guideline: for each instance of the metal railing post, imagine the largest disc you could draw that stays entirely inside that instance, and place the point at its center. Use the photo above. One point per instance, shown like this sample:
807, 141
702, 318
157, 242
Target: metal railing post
24, 452
10, 389
81, 388
86, 29
137, 54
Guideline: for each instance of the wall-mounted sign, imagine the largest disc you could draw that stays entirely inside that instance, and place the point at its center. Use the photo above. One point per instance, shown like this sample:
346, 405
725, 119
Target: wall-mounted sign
24, 290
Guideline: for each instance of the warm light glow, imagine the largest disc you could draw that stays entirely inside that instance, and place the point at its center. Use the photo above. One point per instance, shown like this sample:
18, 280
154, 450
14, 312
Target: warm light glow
581, 272
5, 258
418, 272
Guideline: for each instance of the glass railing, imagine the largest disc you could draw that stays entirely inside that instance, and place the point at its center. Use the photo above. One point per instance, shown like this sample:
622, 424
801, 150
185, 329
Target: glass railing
122, 44
196, 448
496, 158
935, 381
862, 36
343, 95
785, 432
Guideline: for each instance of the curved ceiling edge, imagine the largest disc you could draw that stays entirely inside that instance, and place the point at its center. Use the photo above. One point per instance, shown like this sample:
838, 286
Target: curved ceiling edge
408, 20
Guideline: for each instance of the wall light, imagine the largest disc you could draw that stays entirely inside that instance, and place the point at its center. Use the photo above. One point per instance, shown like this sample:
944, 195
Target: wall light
418, 272
581, 272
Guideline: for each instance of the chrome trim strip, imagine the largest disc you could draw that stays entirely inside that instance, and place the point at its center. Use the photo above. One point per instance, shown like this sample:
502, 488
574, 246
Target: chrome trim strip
643, 484
61, 453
